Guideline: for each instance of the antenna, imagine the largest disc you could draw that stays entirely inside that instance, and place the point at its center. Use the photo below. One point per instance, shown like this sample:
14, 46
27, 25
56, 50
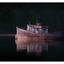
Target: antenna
29, 23
37, 19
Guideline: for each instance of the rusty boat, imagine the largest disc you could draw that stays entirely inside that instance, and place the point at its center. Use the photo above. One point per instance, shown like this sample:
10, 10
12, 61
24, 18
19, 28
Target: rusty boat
37, 32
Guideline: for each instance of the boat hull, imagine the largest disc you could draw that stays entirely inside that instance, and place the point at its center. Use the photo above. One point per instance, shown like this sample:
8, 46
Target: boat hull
26, 35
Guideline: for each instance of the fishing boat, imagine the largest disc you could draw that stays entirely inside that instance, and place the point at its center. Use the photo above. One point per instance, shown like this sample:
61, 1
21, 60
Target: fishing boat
37, 32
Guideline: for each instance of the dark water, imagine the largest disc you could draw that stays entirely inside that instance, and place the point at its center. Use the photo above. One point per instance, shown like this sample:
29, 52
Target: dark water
11, 49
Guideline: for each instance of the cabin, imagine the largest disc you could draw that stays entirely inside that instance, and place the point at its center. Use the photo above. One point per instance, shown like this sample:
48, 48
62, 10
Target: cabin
38, 28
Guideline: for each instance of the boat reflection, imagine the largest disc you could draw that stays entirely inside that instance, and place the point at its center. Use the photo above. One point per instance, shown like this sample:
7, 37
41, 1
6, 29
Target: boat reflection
35, 46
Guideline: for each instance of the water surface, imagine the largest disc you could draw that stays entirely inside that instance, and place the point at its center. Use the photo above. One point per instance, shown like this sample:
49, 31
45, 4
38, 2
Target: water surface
42, 50
11, 49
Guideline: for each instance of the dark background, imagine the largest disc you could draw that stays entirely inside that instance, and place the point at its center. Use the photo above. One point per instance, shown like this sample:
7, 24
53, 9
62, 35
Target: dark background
20, 14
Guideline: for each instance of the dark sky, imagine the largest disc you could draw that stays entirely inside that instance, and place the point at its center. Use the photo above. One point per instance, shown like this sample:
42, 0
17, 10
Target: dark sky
19, 14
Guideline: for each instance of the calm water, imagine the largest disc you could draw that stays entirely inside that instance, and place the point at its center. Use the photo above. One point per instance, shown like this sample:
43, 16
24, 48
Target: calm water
11, 49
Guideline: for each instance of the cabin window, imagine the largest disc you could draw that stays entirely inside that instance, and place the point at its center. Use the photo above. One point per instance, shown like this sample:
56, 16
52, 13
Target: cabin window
34, 30
44, 30
40, 31
37, 29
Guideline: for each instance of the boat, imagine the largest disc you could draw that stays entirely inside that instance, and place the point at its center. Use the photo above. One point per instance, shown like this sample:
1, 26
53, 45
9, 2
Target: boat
38, 33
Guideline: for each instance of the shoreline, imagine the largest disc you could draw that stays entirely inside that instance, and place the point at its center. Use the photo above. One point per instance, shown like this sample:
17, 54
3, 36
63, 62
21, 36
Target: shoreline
7, 34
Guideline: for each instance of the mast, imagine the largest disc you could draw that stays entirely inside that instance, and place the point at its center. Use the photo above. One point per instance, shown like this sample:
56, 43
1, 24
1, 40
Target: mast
36, 19
29, 23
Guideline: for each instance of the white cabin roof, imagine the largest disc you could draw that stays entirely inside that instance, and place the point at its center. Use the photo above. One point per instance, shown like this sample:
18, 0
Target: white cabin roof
35, 26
